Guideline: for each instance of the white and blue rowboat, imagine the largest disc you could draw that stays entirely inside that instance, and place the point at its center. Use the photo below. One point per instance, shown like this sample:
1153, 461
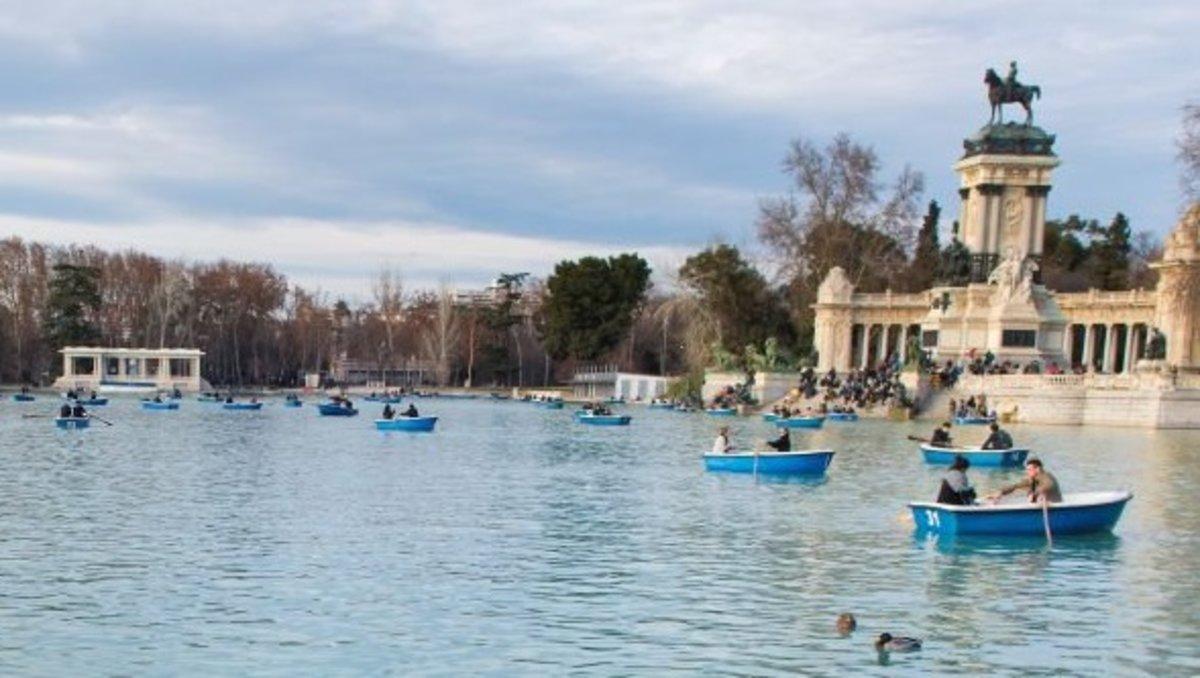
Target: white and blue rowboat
406, 424
799, 422
335, 410
91, 402
151, 405
72, 422
1081, 513
603, 419
799, 463
243, 406
22, 398
973, 420
842, 416
945, 455
721, 412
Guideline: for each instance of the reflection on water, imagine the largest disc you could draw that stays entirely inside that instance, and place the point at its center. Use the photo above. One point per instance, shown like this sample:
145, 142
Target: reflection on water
514, 541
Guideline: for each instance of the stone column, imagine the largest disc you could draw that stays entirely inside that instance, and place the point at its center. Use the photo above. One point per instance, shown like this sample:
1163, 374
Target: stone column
1069, 343
902, 348
864, 345
1089, 345
1110, 349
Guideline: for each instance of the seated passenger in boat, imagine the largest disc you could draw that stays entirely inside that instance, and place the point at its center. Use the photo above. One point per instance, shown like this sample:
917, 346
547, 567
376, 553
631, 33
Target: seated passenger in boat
956, 488
71, 394
388, 412
228, 400
941, 436
411, 411
78, 412
64, 411
999, 439
1038, 482
721, 444
94, 396
783, 443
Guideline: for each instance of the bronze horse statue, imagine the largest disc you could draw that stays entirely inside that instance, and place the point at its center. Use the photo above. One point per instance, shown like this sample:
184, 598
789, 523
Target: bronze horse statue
1000, 93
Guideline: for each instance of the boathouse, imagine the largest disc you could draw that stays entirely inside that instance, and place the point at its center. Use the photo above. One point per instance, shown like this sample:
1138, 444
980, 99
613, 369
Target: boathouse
130, 369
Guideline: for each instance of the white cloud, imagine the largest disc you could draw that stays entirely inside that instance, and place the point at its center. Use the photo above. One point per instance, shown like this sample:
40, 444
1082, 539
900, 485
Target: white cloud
338, 256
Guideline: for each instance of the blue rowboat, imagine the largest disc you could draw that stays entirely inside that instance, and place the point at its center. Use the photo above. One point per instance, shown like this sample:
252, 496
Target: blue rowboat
603, 419
335, 410
390, 400
661, 406
165, 405
293, 403
243, 406
945, 455
799, 422
799, 463
22, 398
91, 402
842, 416
721, 412
210, 399
973, 420
770, 416
406, 424
72, 422
551, 404
1082, 513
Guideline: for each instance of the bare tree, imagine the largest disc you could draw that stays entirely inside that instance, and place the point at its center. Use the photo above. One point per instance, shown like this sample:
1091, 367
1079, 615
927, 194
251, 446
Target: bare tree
1189, 151
839, 215
441, 339
388, 291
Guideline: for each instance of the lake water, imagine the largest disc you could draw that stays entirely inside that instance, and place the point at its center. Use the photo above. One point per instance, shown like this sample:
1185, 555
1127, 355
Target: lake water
514, 541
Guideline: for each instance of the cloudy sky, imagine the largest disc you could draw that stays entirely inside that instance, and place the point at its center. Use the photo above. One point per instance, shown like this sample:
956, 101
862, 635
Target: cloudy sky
458, 139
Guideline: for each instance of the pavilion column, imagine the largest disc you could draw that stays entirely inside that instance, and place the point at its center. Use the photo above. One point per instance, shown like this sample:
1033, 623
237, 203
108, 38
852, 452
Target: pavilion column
866, 345
1110, 348
1069, 344
1089, 344
902, 347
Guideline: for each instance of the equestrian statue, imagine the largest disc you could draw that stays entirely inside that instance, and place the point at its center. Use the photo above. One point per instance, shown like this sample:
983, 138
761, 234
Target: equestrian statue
1009, 91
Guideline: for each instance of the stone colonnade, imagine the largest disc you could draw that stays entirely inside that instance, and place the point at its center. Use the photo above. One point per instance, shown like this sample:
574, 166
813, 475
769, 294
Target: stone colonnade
1111, 348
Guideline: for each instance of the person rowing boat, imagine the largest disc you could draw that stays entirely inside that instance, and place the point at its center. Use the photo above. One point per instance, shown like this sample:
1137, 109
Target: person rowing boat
1038, 482
998, 439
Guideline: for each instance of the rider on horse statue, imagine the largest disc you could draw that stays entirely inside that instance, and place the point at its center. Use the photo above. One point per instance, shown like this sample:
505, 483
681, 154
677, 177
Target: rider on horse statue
1009, 91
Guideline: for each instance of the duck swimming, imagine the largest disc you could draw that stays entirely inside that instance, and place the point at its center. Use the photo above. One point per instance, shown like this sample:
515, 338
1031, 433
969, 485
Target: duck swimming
889, 643
846, 623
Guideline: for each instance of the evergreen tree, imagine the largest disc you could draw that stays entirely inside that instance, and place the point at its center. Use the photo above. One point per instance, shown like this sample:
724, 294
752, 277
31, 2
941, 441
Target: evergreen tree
1110, 255
590, 304
924, 267
71, 305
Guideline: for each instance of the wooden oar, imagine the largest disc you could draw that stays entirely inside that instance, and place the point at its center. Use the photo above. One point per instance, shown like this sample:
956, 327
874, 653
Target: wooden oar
99, 419
919, 439
1046, 522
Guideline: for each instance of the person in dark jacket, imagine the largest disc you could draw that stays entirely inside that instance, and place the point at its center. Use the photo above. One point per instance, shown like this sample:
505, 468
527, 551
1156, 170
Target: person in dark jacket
999, 439
956, 488
941, 436
783, 443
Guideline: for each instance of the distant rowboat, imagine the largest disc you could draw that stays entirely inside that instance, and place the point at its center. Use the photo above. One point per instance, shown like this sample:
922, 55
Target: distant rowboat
945, 455
406, 424
335, 410
152, 405
973, 420
842, 416
803, 462
23, 398
243, 406
603, 419
721, 412
799, 422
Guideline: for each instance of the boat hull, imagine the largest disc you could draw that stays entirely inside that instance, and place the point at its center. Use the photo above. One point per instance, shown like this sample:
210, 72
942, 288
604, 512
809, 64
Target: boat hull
243, 406
604, 419
800, 422
973, 421
553, 405
328, 410
1085, 513
842, 416
406, 424
1001, 458
72, 422
23, 398
293, 403
721, 412
160, 406
92, 402
804, 463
